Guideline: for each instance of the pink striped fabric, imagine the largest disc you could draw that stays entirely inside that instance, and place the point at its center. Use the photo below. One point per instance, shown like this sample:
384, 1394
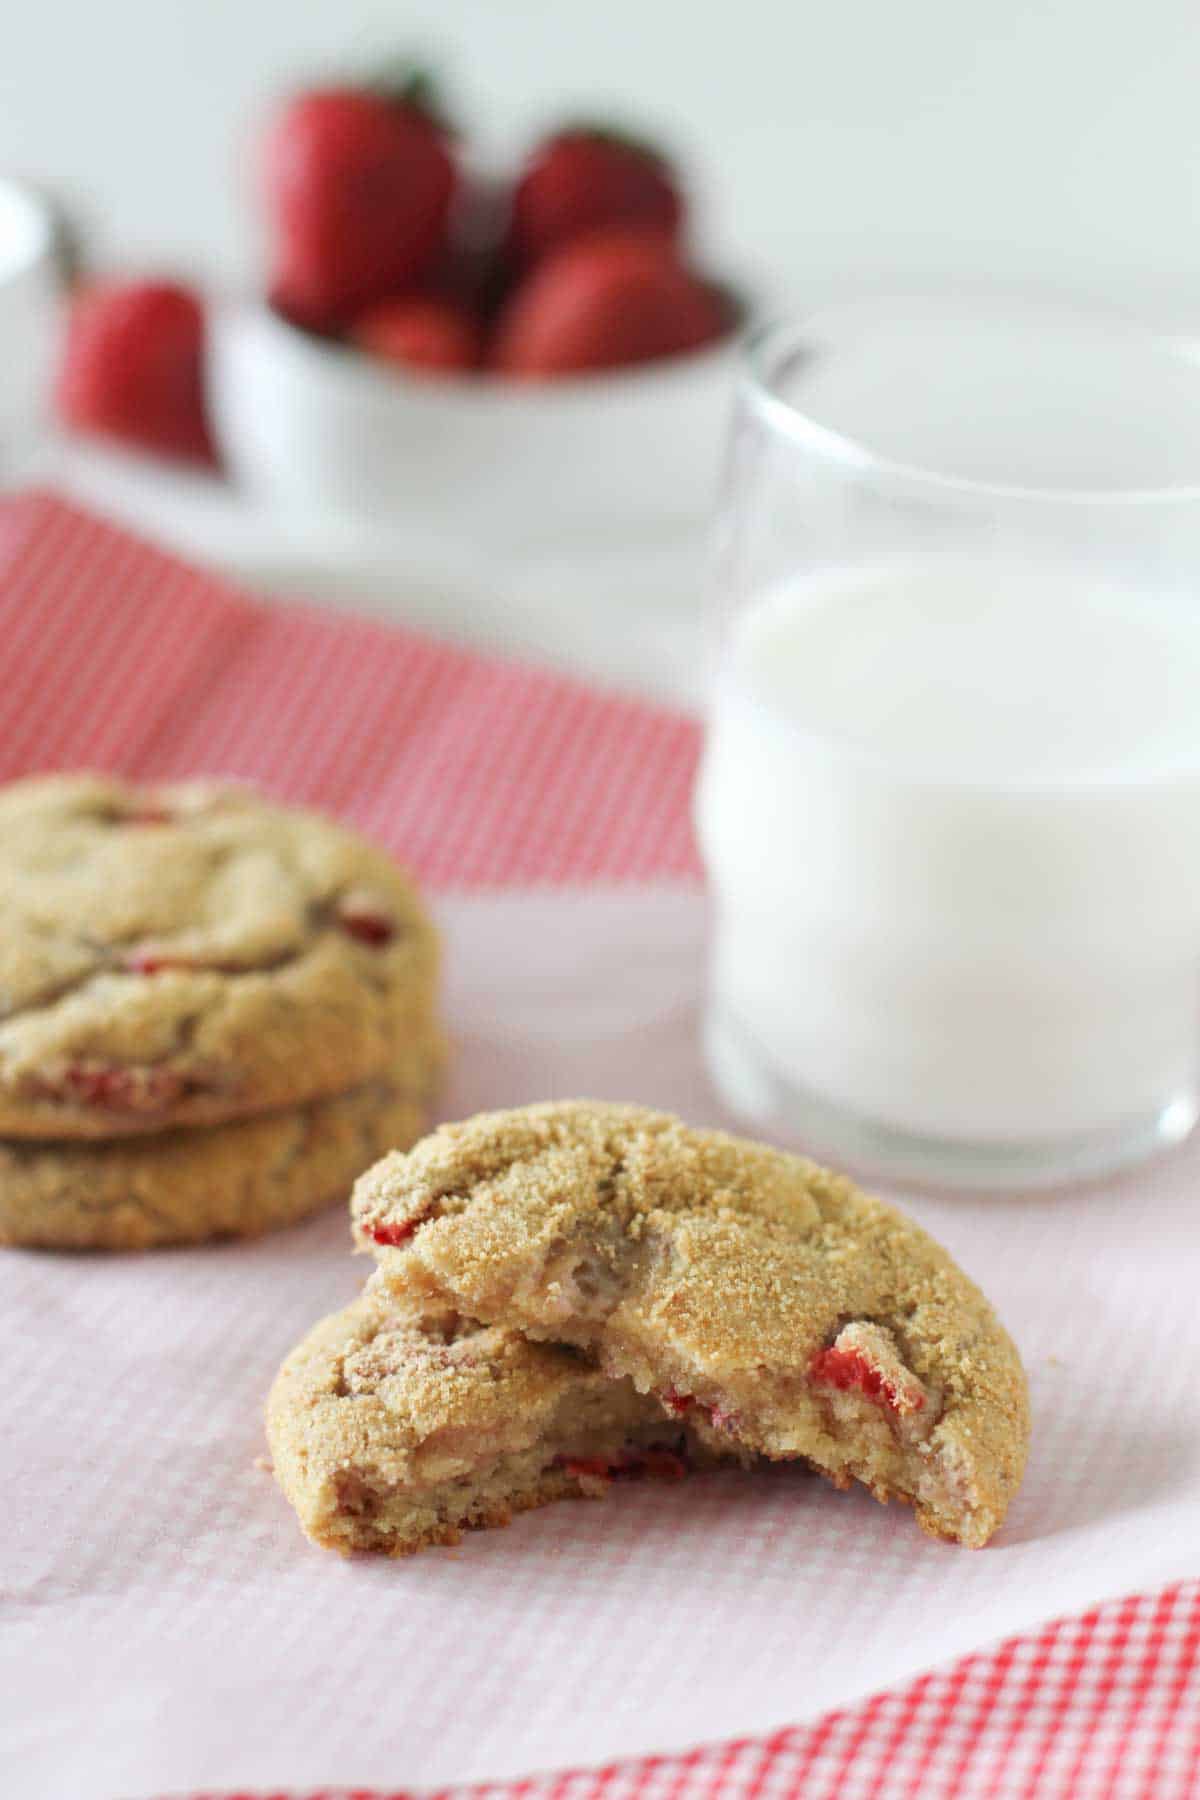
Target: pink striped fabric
482, 774
478, 773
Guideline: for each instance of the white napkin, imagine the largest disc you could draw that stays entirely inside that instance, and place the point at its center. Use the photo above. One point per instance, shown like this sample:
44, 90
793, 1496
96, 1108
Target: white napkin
169, 1629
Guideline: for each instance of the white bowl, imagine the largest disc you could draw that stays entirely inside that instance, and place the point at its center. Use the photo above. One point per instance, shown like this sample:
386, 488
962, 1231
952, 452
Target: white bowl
28, 314
308, 424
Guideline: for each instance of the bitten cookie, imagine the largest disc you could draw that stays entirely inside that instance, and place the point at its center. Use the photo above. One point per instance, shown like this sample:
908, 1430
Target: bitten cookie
764, 1301
390, 1431
183, 1187
194, 954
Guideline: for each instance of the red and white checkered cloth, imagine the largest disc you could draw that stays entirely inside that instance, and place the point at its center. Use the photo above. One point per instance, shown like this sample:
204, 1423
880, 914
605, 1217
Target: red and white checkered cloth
479, 775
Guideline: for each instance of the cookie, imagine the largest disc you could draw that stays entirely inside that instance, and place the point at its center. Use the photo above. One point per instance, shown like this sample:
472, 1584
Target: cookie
390, 1431
182, 1187
193, 954
765, 1302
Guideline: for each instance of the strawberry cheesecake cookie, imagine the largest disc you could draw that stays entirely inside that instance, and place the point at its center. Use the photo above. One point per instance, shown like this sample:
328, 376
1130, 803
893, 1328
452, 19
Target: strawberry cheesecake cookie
390, 1430
761, 1301
194, 954
187, 1186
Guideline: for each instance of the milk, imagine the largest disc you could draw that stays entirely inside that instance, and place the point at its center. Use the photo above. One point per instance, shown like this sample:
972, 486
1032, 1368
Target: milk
950, 808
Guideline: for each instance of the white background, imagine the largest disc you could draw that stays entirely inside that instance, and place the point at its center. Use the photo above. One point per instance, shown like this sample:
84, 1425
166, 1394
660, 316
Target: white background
830, 143
1056, 140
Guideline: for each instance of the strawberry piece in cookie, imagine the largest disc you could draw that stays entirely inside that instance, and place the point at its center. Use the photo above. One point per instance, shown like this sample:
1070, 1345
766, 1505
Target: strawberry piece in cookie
393, 1233
653, 1463
146, 960
679, 1405
145, 1089
366, 918
863, 1359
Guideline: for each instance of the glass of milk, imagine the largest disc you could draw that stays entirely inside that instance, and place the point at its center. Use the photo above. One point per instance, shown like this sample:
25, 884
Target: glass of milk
950, 796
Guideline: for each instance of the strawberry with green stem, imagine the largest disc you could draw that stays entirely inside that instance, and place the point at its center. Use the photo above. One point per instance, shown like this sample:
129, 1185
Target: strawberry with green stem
586, 178
604, 301
358, 186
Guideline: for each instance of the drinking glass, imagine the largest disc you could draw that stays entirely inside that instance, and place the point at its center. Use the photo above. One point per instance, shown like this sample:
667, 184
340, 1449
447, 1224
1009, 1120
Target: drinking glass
949, 802
28, 320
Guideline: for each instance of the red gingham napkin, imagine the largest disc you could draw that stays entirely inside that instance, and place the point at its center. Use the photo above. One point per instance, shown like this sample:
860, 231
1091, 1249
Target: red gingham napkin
478, 773
1102, 1707
481, 774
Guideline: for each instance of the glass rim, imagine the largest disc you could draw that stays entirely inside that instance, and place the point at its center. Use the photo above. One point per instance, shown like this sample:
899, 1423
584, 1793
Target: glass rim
758, 390
26, 228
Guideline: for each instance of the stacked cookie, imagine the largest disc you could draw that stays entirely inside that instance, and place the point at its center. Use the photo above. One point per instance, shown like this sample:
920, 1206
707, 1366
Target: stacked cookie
570, 1293
214, 1012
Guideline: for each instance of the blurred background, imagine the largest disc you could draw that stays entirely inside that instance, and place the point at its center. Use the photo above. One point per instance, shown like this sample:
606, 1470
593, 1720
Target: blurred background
1048, 139
1052, 144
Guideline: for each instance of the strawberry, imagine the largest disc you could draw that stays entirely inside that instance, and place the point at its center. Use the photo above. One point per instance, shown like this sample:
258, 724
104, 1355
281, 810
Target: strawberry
603, 301
421, 331
361, 915
133, 367
585, 179
358, 191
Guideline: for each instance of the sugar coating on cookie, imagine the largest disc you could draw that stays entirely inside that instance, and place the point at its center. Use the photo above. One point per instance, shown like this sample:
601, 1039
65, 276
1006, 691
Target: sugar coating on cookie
192, 954
390, 1431
766, 1301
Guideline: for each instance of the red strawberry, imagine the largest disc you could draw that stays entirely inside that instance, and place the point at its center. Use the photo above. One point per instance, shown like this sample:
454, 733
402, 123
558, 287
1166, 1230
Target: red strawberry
585, 179
361, 915
420, 331
133, 367
603, 301
358, 191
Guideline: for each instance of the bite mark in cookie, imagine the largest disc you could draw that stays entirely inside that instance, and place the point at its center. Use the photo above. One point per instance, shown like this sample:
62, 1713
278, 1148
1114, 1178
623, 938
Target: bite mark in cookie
390, 1431
767, 1303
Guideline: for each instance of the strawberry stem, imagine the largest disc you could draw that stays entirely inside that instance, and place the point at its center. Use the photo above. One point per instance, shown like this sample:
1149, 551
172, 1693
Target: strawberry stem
407, 82
606, 132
